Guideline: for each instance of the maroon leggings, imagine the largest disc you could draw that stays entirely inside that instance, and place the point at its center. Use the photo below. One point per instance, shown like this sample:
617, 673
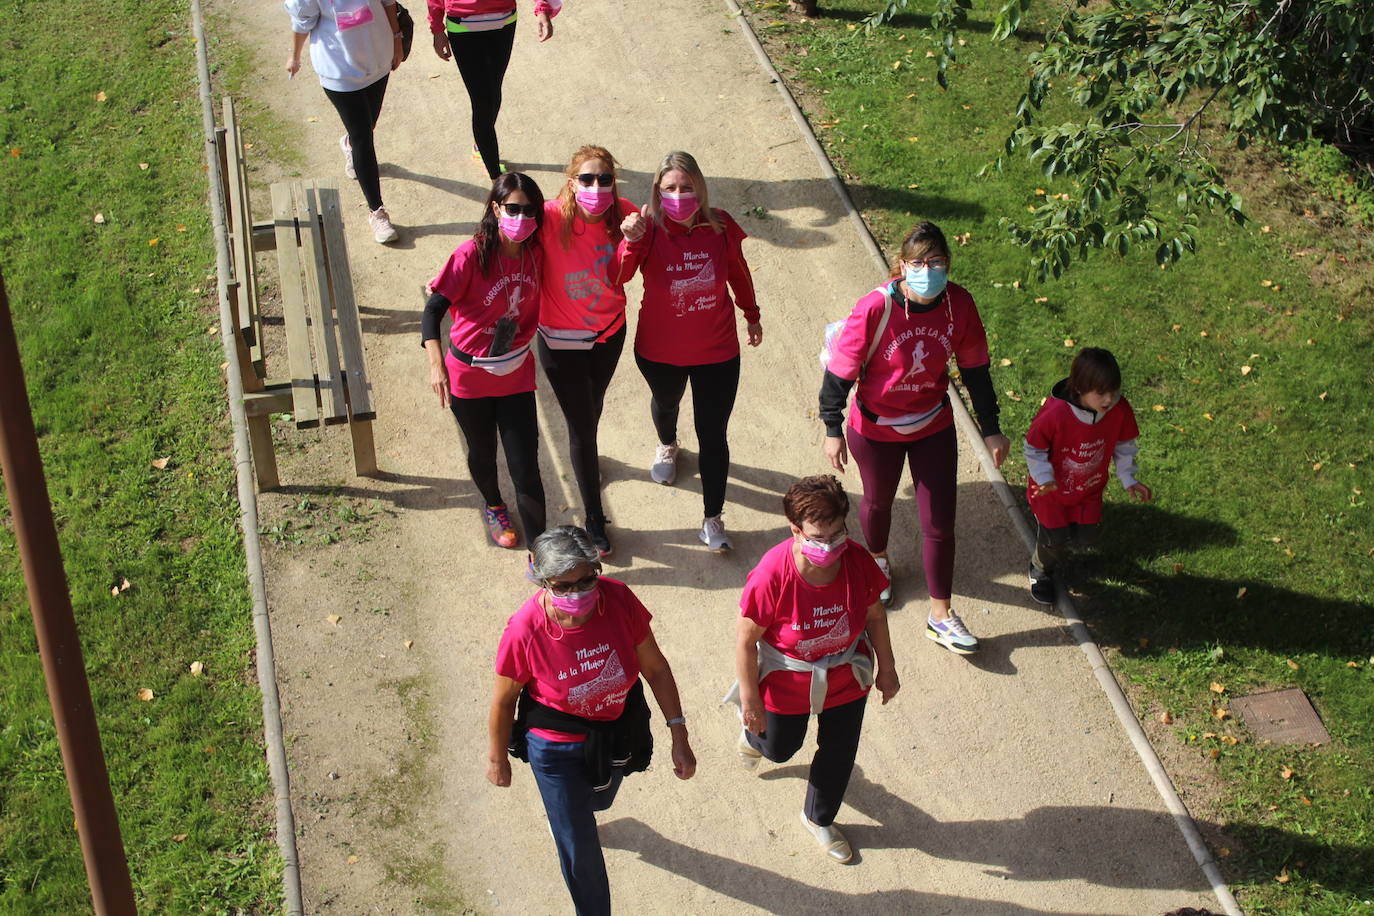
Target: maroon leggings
934, 468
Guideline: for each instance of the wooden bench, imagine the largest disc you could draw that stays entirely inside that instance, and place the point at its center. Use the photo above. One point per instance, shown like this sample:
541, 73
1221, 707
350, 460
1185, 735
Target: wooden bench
327, 365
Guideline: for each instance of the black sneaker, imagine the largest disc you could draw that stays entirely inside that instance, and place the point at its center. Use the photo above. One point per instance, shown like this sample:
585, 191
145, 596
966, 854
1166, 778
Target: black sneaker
596, 527
1041, 586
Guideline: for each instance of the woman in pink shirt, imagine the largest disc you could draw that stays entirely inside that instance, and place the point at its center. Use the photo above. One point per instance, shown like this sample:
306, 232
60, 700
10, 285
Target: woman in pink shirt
490, 289
896, 345
582, 312
479, 36
813, 640
689, 253
568, 699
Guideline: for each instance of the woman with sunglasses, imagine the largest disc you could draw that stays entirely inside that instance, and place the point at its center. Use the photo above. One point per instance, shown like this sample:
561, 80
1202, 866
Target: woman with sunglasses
896, 344
812, 640
490, 288
582, 312
479, 36
689, 253
568, 699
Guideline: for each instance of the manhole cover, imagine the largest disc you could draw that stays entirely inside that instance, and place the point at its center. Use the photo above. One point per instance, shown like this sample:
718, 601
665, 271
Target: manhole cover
1282, 717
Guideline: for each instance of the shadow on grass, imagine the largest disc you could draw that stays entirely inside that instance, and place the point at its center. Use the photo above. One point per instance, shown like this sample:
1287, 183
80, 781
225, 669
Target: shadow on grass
1126, 600
907, 20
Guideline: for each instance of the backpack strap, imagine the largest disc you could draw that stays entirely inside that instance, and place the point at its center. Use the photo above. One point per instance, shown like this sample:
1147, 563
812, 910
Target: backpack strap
882, 324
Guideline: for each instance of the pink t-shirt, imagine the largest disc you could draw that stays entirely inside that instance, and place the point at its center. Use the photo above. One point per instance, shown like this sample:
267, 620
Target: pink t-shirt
585, 670
580, 287
1080, 452
687, 317
477, 301
909, 372
809, 622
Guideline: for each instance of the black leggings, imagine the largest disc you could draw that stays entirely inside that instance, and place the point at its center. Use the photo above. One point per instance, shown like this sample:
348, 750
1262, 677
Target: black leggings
579, 379
482, 58
713, 398
513, 418
359, 111
837, 741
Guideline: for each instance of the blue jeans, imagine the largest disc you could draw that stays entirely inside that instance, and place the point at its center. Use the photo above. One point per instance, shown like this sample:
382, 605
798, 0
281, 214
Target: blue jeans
571, 806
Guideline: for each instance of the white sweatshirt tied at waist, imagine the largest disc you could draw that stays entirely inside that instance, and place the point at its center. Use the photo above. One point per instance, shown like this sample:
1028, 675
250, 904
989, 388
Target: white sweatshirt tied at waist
772, 659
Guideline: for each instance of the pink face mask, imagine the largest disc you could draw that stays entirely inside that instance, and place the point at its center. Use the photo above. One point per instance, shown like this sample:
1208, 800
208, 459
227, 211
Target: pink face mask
517, 228
818, 554
595, 200
679, 207
576, 604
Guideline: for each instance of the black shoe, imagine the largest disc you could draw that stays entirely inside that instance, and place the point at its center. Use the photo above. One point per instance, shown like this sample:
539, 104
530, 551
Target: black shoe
1041, 586
596, 527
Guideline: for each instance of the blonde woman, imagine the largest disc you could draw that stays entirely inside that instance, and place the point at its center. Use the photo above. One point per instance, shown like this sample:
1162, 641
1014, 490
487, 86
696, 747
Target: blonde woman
692, 260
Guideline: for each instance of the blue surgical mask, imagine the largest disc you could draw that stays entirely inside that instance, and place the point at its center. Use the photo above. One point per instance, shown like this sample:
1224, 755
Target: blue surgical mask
927, 282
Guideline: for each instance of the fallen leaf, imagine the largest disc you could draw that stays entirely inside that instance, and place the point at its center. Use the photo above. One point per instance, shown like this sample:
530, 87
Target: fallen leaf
1015, 284
334, 619
1322, 396
160, 463
1207, 416
312, 120
143, 166
1282, 877
1178, 568
181, 227
1292, 664
1166, 718
408, 643
178, 838
1176, 328
913, 139
1220, 714
1246, 370
1209, 734
1203, 334
1069, 341
352, 860
1286, 772
197, 668
99, 219
1218, 687
1240, 593
1352, 664
1264, 228
1305, 800
14, 152
1289, 551
1040, 299
1159, 408
1230, 740
1039, 192
1214, 753
1224, 852
1143, 642
1317, 466
1004, 362
153, 243
1266, 283
966, 107
100, 96
144, 694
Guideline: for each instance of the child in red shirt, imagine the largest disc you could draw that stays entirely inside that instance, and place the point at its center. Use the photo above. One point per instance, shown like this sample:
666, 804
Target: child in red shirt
1083, 424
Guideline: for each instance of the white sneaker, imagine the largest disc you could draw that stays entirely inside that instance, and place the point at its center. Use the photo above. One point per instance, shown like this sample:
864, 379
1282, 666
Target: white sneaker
664, 468
886, 596
712, 534
348, 157
382, 230
952, 634
829, 838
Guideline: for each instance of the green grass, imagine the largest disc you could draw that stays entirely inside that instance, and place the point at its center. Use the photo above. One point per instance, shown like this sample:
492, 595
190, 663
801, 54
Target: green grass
1261, 475
99, 115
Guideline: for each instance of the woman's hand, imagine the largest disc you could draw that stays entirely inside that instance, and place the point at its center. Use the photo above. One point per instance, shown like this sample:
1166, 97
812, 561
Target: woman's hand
684, 761
397, 51
1000, 446
498, 771
836, 452
438, 382
887, 683
633, 227
545, 28
293, 65
755, 334
1140, 492
441, 46
751, 711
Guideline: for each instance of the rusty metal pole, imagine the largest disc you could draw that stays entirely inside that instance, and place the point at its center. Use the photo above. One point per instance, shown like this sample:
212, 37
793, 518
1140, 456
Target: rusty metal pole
64, 669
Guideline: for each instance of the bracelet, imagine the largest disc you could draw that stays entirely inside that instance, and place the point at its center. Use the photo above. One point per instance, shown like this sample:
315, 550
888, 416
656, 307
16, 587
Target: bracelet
677, 720
397, 35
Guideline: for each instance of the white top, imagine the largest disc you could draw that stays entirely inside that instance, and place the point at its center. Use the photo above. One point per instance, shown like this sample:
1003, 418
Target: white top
347, 59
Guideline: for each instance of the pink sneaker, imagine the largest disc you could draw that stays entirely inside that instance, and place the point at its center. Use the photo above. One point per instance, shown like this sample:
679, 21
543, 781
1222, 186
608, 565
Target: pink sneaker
382, 230
499, 526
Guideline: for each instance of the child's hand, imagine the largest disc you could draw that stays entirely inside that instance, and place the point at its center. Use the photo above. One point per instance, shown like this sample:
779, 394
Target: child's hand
1140, 492
1038, 488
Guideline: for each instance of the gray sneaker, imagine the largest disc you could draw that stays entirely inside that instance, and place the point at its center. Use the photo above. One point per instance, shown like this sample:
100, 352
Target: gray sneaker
886, 596
952, 634
713, 535
382, 230
664, 468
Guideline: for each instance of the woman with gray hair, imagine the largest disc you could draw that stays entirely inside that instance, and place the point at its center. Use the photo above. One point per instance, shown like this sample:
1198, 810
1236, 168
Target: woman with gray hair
568, 699
689, 253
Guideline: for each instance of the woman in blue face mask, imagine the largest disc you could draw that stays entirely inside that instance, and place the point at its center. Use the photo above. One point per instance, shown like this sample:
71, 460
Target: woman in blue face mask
896, 345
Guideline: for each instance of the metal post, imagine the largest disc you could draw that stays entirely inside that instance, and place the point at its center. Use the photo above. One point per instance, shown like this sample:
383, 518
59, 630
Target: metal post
64, 670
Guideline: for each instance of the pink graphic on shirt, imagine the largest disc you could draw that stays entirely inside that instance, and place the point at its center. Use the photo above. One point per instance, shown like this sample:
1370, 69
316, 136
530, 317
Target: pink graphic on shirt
918, 361
609, 685
1083, 467
694, 293
836, 639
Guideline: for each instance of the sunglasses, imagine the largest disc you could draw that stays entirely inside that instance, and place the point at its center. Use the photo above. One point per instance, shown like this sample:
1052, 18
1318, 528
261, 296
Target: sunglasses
529, 210
604, 179
567, 588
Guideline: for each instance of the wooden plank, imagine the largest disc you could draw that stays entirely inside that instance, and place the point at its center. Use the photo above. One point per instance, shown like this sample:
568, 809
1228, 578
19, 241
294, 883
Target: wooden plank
274, 398
264, 237
333, 406
240, 239
356, 378
303, 392
364, 452
264, 456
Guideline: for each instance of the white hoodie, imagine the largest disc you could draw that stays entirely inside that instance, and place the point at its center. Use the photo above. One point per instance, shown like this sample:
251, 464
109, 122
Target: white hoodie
345, 60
